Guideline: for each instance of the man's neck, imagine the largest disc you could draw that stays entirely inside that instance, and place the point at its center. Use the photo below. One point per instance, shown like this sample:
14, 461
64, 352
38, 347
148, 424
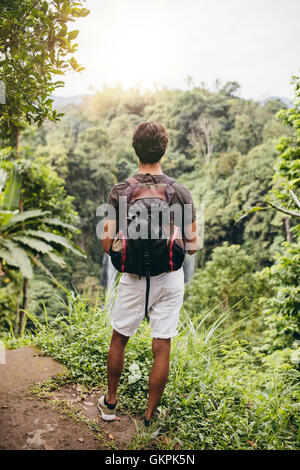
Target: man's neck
153, 169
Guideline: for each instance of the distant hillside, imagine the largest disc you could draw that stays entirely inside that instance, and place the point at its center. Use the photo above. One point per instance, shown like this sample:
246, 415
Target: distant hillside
61, 101
283, 99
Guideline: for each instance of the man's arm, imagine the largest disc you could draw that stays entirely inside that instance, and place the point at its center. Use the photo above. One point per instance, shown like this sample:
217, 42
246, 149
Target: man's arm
108, 234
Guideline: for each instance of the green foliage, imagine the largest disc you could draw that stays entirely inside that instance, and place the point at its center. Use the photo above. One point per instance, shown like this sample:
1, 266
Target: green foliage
11, 196
35, 46
286, 180
10, 286
26, 236
233, 183
253, 179
281, 311
20, 244
41, 188
287, 175
43, 306
228, 281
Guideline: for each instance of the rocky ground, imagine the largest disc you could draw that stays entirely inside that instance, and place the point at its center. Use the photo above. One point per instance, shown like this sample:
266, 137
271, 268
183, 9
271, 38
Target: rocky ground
67, 418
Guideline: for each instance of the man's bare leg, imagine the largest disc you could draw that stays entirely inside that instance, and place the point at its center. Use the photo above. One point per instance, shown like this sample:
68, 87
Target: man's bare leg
115, 364
159, 373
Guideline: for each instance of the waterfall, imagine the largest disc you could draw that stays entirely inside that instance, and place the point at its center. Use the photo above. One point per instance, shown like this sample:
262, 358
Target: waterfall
108, 274
189, 267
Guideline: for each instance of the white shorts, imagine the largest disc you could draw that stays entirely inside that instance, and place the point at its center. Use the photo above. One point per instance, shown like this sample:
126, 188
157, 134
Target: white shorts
165, 301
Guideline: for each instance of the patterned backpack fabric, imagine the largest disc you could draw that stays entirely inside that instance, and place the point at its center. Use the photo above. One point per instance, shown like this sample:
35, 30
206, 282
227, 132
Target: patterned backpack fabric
151, 247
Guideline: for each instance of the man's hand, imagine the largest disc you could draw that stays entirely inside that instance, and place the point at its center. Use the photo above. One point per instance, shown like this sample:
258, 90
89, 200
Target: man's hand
108, 235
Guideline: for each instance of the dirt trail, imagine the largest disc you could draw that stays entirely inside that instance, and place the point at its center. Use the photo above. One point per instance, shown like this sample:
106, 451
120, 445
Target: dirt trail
27, 422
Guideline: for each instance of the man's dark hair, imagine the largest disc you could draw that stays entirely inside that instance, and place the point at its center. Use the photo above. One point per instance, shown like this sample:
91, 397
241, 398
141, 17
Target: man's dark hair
150, 140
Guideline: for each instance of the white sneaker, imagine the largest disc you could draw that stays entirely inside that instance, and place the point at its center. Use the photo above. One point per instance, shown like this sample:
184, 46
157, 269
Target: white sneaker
108, 412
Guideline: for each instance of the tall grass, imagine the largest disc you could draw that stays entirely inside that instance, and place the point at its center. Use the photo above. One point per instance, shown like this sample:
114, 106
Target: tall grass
221, 394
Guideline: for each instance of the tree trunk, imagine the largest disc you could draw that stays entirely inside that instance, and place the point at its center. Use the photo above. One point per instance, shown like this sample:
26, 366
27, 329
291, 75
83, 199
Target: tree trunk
18, 134
288, 229
17, 318
21, 207
226, 305
209, 147
24, 305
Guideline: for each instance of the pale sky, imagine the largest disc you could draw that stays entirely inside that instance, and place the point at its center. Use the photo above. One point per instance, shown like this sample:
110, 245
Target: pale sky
254, 42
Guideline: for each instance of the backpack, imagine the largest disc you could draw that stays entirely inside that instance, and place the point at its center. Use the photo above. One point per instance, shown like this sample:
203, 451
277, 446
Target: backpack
163, 249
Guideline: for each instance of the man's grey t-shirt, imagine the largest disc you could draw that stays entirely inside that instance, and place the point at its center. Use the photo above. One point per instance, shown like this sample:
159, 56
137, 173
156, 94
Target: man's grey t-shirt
181, 196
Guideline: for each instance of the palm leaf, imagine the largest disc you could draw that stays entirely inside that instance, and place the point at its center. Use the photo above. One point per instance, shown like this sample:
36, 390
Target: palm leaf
7, 256
58, 222
52, 237
20, 256
23, 216
56, 258
12, 191
34, 243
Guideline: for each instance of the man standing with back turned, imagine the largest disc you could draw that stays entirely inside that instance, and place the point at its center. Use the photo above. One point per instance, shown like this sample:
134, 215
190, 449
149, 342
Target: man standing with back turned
165, 296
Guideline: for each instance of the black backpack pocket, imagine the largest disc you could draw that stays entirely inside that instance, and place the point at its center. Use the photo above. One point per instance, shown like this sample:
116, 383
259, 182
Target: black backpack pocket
116, 259
177, 254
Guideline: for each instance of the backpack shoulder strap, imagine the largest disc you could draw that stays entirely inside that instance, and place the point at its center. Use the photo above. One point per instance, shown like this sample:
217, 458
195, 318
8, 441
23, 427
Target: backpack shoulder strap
167, 180
169, 189
131, 183
131, 180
